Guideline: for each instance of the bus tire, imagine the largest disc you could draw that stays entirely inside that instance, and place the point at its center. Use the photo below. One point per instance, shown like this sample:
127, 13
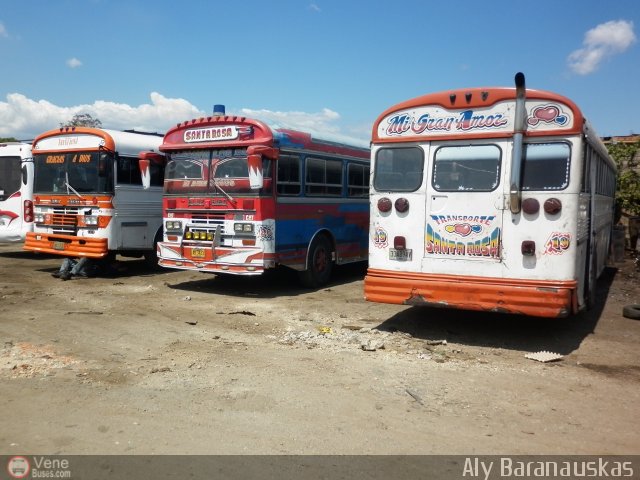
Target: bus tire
631, 311
319, 263
591, 281
151, 257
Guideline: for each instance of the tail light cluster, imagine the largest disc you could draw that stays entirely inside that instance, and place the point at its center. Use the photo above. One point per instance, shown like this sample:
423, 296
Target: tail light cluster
28, 211
531, 206
401, 205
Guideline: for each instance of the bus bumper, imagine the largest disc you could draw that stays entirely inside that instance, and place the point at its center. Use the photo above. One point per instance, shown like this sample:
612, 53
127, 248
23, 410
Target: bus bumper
67, 245
551, 299
214, 260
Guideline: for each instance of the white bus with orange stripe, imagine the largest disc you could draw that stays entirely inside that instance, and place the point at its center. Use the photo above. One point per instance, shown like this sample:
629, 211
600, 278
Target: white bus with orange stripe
89, 198
493, 199
16, 190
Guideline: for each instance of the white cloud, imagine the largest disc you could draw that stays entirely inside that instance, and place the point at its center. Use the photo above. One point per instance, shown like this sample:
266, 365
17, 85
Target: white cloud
74, 63
322, 124
3, 31
600, 43
24, 118
314, 7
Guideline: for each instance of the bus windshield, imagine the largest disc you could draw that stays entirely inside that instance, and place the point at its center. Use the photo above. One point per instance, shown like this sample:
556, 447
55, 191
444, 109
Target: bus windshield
77, 172
9, 176
216, 172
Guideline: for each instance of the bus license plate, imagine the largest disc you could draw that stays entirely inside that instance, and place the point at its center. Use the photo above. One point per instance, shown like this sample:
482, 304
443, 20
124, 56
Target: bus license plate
197, 252
58, 245
402, 255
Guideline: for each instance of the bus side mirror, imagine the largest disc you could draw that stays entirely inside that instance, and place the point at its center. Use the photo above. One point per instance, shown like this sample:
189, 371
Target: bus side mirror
145, 159
254, 159
256, 180
102, 165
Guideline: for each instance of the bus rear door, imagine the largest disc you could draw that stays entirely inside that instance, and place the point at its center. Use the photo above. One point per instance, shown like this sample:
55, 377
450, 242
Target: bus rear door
465, 207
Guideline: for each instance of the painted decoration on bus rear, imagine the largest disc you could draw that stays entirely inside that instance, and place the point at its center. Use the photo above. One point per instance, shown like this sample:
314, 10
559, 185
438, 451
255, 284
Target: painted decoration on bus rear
463, 236
434, 120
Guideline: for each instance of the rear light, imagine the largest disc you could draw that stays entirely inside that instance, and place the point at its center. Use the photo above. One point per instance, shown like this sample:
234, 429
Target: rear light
28, 211
402, 205
384, 205
552, 206
528, 248
399, 243
530, 206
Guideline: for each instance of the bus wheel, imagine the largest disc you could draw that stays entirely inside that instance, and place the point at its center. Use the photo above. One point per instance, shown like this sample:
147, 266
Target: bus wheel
319, 263
151, 257
631, 311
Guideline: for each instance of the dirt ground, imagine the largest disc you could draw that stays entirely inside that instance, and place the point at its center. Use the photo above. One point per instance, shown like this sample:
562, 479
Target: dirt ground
158, 362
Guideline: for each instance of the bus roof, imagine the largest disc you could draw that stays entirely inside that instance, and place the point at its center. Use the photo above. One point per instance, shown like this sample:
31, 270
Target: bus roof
84, 138
443, 114
21, 149
229, 131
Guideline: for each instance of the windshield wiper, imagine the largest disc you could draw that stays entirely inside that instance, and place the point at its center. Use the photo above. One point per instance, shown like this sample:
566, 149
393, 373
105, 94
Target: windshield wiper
229, 197
69, 187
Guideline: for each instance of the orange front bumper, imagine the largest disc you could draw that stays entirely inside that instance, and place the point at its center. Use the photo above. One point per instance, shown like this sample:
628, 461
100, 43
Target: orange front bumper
67, 245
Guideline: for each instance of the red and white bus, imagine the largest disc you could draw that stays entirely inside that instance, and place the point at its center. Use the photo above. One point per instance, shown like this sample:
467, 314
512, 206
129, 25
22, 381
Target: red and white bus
16, 191
241, 197
89, 199
492, 199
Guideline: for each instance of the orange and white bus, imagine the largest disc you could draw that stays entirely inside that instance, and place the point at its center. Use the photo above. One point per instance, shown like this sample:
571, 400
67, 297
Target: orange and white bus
16, 191
492, 199
89, 198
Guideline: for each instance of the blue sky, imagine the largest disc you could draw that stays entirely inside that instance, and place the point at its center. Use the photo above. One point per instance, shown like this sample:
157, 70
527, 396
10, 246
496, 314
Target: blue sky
326, 65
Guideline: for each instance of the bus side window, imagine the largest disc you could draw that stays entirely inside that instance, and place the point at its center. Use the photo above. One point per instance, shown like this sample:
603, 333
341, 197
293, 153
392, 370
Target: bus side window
358, 180
288, 182
128, 171
323, 177
157, 174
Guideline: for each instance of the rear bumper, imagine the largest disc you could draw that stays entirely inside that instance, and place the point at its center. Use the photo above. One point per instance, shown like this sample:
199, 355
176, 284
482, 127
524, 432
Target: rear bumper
527, 297
67, 245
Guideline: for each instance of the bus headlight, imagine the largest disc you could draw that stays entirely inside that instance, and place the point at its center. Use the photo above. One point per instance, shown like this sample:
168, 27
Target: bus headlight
90, 220
39, 217
173, 226
243, 228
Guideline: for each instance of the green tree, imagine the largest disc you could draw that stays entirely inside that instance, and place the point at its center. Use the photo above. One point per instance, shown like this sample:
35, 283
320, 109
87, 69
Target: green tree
8, 139
82, 120
628, 186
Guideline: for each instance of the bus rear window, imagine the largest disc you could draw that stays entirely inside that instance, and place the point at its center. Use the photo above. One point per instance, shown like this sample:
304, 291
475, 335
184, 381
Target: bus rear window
473, 168
9, 176
398, 169
546, 166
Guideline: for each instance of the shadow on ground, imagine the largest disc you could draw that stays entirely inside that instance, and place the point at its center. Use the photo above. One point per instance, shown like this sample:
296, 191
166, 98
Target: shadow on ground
271, 284
514, 332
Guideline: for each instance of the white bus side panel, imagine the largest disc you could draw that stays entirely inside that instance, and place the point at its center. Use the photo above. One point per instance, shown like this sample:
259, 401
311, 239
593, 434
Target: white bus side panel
138, 216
